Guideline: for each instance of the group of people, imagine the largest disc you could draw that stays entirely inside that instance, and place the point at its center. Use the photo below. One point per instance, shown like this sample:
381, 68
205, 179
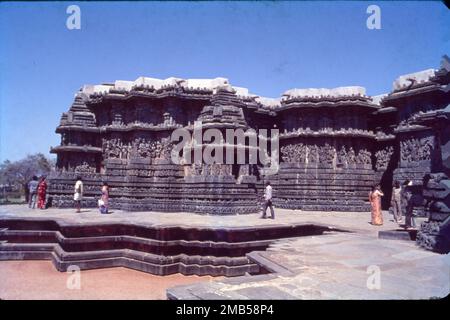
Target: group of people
103, 202
400, 201
37, 192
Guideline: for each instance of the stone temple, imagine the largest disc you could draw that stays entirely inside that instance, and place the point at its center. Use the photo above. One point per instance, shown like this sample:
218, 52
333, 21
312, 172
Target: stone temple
334, 144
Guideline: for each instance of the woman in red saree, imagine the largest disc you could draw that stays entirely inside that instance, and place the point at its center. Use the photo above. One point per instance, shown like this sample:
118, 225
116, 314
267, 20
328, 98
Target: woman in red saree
375, 200
41, 193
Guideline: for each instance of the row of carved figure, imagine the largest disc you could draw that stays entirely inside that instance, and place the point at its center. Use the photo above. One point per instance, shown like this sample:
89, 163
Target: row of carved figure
217, 170
413, 150
139, 148
208, 169
84, 168
190, 170
169, 122
335, 131
301, 153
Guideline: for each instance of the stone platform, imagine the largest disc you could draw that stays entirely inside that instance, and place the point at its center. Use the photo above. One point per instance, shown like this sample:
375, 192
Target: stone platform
333, 266
329, 258
142, 241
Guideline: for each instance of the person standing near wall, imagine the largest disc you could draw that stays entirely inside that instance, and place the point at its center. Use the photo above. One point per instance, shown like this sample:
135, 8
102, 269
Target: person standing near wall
104, 200
42, 193
396, 202
32, 187
78, 193
408, 204
268, 201
375, 200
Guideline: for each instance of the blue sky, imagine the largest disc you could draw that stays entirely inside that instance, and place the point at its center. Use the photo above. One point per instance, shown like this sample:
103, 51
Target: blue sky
268, 47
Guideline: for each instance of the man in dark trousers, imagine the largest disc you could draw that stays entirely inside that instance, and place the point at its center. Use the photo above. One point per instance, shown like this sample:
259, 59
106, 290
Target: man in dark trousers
32, 187
268, 201
409, 201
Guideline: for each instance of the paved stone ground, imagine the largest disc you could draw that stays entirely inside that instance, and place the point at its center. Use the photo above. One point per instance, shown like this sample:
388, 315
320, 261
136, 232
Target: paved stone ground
335, 266
352, 221
332, 266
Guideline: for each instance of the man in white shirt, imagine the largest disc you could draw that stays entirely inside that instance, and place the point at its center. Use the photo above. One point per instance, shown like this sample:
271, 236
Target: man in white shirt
78, 195
268, 201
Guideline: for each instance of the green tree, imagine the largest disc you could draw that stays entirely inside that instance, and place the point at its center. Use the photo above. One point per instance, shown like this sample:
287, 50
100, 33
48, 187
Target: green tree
17, 174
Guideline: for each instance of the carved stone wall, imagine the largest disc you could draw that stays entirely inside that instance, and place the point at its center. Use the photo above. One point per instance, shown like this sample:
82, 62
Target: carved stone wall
414, 150
434, 234
383, 158
415, 162
334, 145
329, 175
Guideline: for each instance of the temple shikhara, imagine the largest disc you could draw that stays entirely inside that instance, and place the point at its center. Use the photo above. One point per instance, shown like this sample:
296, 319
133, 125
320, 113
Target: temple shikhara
334, 144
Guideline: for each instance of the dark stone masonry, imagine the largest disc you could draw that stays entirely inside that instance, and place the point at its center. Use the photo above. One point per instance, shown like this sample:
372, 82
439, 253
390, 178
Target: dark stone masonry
159, 250
333, 144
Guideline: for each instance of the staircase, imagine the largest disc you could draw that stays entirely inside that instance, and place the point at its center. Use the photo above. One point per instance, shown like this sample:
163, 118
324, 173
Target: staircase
151, 249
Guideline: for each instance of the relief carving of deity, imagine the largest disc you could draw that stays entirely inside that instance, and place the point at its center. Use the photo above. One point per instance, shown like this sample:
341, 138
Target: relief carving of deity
351, 156
139, 148
225, 170
112, 148
326, 154
196, 169
294, 153
206, 170
383, 157
342, 156
313, 155
215, 169
364, 157
84, 168
414, 150
244, 170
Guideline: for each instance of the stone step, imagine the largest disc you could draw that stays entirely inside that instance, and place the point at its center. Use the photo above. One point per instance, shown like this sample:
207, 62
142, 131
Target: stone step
153, 264
2, 231
398, 234
166, 233
170, 247
157, 250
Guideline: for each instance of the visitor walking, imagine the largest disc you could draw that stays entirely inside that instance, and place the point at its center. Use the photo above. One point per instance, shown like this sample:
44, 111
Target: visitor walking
375, 201
42, 192
408, 203
78, 193
397, 202
32, 187
103, 202
268, 201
